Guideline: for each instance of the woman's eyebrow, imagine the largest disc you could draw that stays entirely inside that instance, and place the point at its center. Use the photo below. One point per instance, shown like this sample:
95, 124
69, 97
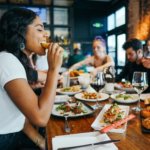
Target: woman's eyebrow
39, 25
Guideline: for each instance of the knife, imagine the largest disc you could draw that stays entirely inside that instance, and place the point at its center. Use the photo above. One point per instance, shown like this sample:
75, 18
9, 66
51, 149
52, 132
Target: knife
97, 143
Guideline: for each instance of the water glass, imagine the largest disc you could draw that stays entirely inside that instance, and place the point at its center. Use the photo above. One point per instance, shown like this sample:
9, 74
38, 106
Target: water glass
84, 81
66, 80
140, 83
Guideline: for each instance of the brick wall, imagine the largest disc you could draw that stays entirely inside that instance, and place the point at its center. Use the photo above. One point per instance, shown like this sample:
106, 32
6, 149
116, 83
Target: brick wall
138, 19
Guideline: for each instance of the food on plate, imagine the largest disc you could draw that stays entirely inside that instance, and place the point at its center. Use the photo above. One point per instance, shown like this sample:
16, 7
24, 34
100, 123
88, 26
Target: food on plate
92, 95
124, 97
145, 112
74, 88
117, 123
147, 101
76, 73
67, 107
126, 84
146, 123
113, 114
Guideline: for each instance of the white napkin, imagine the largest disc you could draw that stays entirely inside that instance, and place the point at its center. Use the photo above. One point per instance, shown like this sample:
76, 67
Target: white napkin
61, 98
81, 139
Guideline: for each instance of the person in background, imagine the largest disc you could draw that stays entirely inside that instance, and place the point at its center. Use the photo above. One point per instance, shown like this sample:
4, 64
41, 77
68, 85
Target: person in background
146, 58
21, 34
134, 53
100, 60
147, 49
76, 56
146, 63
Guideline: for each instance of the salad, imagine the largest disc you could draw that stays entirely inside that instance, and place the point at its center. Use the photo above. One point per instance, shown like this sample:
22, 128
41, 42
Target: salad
67, 107
124, 97
113, 114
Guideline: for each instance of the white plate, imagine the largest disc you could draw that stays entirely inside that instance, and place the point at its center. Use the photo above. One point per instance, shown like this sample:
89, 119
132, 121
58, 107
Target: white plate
67, 93
145, 96
98, 124
83, 138
134, 99
61, 98
103, 97
58, 113
112, 92
117, 86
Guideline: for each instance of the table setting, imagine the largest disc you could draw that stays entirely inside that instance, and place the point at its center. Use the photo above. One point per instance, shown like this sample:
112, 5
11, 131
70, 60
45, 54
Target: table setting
76, 127
84, 141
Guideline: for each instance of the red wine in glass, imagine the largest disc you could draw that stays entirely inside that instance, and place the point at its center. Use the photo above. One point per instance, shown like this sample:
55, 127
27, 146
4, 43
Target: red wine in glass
98, 83
97, 87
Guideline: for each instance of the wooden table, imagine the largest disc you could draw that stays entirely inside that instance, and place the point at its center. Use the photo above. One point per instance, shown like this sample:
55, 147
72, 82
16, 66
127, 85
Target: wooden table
132, 139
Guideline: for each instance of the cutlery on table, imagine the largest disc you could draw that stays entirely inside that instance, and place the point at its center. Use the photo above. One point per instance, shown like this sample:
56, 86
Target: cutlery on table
91, 144
66, 127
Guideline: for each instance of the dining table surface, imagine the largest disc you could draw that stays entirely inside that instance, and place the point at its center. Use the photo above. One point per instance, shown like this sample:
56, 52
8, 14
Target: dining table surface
133, 138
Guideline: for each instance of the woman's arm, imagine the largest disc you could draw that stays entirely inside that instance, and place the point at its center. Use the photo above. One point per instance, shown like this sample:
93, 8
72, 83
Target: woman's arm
109, 62
87, 61
37, 109
34, 135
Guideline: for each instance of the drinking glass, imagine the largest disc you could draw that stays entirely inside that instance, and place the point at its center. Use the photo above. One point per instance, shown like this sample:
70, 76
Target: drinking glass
66, 80
140, 84
84, 81
98, 82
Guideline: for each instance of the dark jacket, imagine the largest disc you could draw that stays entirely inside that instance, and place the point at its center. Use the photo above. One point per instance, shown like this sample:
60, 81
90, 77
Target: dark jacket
129, 69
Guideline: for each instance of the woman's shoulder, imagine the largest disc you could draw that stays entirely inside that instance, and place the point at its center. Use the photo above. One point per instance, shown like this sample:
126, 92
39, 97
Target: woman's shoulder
9, 60
5, 56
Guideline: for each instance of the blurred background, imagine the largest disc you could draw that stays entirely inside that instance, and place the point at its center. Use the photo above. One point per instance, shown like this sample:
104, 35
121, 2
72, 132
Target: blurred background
77, 22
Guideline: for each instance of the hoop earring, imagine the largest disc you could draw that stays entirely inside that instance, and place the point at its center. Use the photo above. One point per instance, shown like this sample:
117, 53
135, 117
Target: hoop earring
22, 46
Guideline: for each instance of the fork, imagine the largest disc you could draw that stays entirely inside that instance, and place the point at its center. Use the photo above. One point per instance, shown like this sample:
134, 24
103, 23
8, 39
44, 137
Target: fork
66, 127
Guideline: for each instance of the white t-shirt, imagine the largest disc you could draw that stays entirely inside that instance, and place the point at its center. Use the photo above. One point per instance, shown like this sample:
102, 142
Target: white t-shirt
11, 118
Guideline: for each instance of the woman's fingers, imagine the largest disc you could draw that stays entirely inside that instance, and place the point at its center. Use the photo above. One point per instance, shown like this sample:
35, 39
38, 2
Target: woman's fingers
55, 54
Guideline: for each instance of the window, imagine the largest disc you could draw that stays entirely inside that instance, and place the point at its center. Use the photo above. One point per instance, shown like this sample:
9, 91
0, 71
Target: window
61, 35
116, 19
116, 31
120, 17
111, 42
60, 16
111, 22
42, 12
120, 52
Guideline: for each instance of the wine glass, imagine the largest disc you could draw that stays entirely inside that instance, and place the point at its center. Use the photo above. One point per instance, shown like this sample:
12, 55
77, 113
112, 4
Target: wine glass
140, 83
98, 82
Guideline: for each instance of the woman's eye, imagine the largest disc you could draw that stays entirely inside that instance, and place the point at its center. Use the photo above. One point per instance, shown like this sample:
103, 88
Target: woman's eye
40, 30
